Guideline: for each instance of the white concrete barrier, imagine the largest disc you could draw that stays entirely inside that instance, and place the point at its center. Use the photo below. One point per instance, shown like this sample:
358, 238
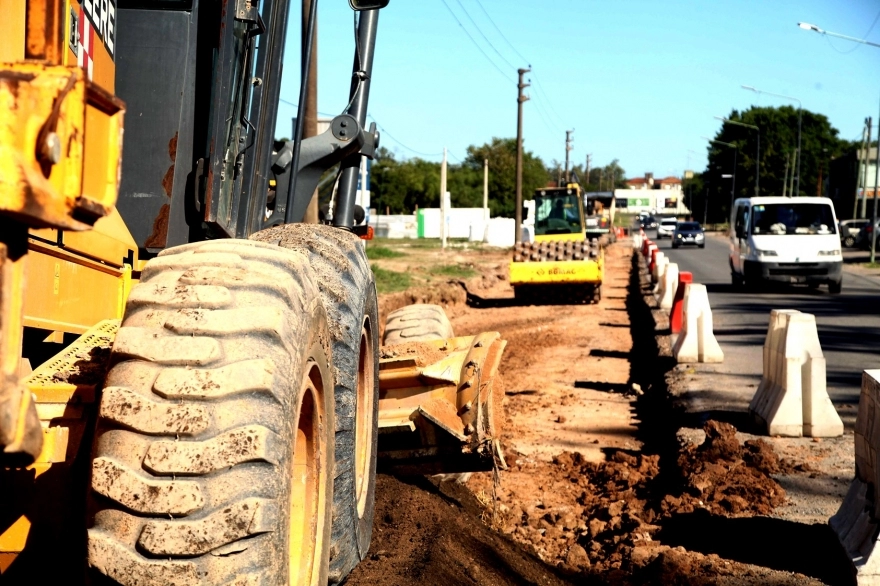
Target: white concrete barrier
659, 260
637, 240
792, 399
856, 520
697, 342
668, 286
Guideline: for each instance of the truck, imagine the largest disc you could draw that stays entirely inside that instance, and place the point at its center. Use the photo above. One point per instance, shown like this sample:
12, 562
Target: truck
600, 209
785, 240
561, 263
193, 389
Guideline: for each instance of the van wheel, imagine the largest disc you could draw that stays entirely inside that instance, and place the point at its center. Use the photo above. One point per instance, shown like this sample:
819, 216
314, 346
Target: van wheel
835, 287
213, 456
348, 291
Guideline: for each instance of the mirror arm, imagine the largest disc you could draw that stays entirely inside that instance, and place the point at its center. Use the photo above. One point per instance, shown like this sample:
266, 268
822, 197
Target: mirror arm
346, 194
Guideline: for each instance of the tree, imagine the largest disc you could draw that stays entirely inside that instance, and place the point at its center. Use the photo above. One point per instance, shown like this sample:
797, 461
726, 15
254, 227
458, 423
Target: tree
778, 129
501, 153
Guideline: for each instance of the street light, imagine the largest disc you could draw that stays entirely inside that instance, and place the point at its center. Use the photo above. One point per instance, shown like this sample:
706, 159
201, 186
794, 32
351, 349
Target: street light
813, 27
758, 159
733, 176
797, 182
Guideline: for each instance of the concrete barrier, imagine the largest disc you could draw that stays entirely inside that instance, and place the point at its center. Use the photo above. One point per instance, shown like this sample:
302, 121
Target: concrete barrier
856, 521
668, 286
638, 237
792, 399
675, 314
660, 261
697, 342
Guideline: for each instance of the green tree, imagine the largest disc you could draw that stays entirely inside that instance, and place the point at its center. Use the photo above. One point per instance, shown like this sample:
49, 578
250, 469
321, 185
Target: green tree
778, 130
501, 153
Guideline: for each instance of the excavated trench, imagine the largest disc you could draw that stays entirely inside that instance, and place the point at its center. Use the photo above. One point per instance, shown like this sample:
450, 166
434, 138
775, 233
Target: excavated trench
668, 513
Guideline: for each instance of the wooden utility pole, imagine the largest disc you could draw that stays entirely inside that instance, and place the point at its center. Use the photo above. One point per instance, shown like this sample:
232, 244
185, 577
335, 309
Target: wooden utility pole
310, 115
568, 148
443, 210
519, 159
855, 213
587, 180
864, 213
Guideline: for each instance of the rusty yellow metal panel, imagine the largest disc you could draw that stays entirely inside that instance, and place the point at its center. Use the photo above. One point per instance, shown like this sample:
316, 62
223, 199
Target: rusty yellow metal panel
46, 155
12, 31
567, 271
69, 293
109, 241
576, 237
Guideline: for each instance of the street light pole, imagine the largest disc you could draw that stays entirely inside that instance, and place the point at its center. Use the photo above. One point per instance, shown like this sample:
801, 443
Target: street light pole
797, 182
812, 27
519, 158
758, 159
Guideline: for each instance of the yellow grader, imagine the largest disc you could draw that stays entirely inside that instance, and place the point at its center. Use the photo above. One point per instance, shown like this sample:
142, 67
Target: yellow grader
561, 263
192, 387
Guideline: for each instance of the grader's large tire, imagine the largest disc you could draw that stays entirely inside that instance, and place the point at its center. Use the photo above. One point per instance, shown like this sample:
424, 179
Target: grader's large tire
417, 323
213, 457
348, 291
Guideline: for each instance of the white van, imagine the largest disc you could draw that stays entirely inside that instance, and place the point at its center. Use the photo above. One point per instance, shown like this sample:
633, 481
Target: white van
785, 239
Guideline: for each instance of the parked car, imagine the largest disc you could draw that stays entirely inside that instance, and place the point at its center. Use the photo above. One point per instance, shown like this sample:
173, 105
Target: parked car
863, 238
688, 233
850, 230
666, 228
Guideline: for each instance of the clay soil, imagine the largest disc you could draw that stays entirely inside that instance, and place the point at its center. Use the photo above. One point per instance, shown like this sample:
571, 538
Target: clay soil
598, 488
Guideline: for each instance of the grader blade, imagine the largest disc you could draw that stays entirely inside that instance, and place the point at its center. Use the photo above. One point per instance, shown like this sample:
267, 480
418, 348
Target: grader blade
440, 405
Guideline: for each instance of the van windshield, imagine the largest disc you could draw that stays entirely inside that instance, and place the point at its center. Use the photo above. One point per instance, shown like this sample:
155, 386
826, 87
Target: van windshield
793, 218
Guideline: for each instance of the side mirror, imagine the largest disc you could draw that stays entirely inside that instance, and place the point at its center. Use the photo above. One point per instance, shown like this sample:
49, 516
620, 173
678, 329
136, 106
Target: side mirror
360, 5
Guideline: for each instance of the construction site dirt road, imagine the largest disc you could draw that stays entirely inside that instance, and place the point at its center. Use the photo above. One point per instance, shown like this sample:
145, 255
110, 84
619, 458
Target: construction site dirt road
601, 485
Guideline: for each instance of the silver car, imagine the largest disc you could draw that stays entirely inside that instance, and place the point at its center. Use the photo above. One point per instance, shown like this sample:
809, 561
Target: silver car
666, 227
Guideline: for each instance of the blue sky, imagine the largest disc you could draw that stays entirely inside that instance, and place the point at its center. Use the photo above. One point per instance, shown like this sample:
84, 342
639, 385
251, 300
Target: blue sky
638, 80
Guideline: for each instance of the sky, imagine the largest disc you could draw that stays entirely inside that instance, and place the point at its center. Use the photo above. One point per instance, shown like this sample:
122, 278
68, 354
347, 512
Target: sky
638, 80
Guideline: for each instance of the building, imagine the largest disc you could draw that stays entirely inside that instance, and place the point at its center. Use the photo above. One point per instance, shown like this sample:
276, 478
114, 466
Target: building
647, 194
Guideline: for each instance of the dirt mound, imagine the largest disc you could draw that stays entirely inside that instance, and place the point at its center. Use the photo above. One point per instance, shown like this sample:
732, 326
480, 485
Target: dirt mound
446, 295
421, 536
593, 518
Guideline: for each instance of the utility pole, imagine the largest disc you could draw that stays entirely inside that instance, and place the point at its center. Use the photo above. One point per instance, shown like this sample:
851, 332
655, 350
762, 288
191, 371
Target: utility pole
587, 180
865, 182
443, 200
310, 113
519, 162
486, 190
855, 213
876, 189
568, 149
785, 176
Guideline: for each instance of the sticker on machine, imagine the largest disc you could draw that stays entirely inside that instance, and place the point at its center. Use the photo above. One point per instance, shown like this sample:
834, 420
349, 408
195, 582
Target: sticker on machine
101, 15
85, 46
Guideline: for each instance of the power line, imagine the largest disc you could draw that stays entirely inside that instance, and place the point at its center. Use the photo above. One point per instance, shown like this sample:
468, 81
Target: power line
501, 33
476, 26
495, 65
546, 98
858, 45
389, 135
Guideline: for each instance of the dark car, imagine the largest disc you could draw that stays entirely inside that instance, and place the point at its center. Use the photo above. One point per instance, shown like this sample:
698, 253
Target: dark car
648, 222
688, 233
863, 238
850, 231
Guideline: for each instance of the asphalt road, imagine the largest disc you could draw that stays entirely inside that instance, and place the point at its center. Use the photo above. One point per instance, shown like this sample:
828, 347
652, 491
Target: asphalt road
848, 324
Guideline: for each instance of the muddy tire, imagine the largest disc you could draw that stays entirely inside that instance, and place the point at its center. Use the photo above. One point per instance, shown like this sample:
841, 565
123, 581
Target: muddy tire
348, 291
417, 323
213, 457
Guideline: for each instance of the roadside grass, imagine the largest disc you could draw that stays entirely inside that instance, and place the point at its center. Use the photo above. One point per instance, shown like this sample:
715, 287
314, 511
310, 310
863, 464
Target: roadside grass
870, 265
453, 271
375, 252
388, 281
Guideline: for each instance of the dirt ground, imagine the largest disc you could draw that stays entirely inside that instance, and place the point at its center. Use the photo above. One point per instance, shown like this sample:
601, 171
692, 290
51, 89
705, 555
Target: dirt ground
600, 488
